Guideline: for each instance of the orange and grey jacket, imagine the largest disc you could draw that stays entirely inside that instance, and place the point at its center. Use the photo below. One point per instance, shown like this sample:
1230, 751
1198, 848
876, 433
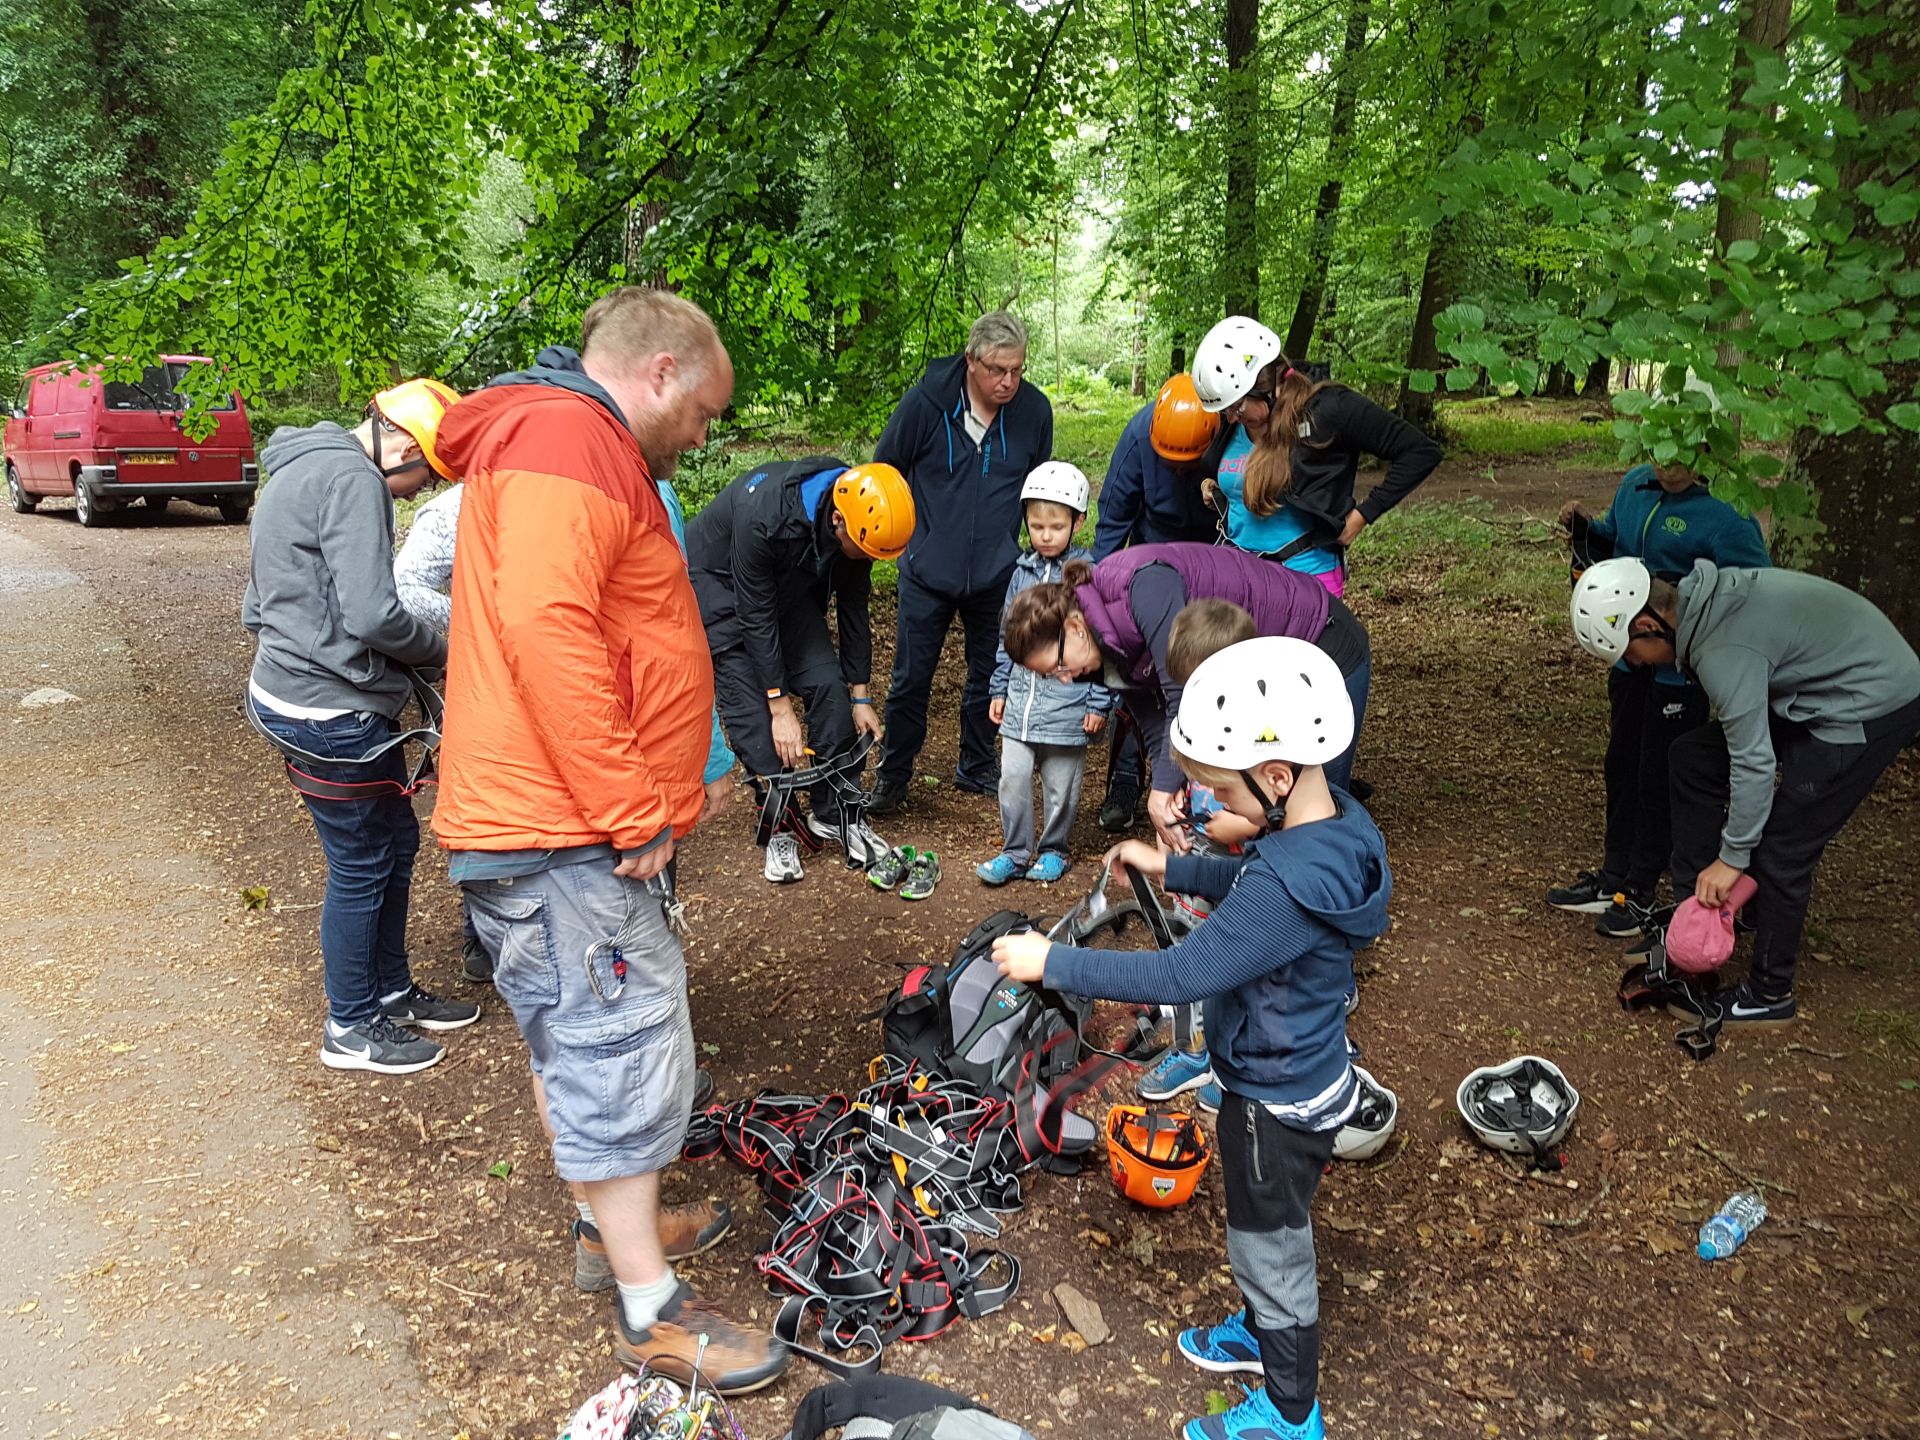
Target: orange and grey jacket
578, 680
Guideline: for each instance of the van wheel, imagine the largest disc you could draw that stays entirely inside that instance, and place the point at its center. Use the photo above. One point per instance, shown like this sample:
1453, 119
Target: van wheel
17, 496
234, 510
89, 510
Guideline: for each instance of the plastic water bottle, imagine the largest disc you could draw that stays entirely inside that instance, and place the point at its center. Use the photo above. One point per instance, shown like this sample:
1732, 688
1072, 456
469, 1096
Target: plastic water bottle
1728, 1231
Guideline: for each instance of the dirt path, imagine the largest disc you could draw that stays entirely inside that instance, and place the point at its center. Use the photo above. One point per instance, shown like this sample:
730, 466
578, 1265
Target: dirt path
180, 1257
1459, 1299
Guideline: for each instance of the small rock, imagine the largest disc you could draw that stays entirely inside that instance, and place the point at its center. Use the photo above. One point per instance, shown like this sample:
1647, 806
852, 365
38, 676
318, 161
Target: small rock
1082, 1314
1068, 1398
45, 696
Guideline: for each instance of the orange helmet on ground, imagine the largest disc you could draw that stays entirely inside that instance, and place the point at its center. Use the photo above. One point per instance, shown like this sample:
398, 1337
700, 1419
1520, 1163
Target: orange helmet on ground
1182, 427
1157, 1158
877, 508
416, 407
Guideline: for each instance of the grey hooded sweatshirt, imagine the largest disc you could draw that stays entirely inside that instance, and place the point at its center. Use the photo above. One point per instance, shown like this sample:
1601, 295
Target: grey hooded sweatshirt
1777, 642
320, 593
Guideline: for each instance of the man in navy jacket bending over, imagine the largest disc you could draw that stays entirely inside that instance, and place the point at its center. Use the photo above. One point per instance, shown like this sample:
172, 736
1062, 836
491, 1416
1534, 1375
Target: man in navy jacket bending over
965, 438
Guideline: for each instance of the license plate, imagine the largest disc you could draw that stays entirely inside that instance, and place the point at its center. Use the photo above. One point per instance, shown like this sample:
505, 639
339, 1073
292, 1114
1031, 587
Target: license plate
148, 457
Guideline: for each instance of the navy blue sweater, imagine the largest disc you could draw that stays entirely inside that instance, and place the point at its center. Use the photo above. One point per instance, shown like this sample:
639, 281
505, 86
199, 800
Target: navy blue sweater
1273, 963
966, 497
1146, 500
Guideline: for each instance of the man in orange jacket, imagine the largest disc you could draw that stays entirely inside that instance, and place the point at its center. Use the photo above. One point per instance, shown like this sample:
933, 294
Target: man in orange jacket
579, 690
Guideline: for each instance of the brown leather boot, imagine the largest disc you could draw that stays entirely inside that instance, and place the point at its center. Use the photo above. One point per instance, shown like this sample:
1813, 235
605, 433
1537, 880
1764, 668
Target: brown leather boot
737, 1360
684, 1230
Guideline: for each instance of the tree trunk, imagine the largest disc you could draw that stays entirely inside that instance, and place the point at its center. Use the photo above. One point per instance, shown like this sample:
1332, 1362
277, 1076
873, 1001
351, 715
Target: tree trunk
1424, 351
1326, 210
1599, 374
1139, 347
1764, 29
1242, 107
136, 124
1868, 485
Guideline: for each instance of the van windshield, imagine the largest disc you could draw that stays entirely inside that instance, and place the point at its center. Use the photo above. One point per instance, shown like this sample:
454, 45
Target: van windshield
157, 390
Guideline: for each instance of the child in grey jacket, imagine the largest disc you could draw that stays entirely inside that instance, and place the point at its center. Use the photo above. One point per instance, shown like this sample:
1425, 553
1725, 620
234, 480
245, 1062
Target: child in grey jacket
1045, 721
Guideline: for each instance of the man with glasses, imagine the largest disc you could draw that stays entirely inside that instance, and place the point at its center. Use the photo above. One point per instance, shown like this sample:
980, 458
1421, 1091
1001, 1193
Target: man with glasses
965, 437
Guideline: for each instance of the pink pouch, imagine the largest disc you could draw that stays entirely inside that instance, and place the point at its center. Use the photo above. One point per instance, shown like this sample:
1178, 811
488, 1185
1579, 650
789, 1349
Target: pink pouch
1699, 940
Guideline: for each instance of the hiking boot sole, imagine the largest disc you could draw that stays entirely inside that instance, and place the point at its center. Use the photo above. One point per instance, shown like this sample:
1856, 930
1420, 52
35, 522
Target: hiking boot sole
336, 1060
681, 1373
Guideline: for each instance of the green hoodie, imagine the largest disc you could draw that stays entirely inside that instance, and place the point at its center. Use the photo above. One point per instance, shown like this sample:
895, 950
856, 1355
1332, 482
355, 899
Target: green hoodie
1776, 642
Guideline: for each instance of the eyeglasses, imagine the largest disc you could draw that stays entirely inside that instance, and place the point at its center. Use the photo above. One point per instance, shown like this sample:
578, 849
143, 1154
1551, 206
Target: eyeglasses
997, 373
1263, 397
1060, 670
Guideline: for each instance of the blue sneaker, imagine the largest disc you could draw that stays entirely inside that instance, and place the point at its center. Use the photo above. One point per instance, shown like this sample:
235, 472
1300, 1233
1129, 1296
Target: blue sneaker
999, 870
1228, 1348
1178, 1072
1256, 1418
1051, 866
1209, 1096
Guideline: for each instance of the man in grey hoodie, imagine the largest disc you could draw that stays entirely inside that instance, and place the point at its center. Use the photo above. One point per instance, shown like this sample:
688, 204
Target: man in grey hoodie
1804, 678
329, 681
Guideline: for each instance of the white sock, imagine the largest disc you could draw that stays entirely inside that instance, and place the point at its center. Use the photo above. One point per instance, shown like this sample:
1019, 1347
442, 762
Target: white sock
399, 994
586, 1212
642, 1304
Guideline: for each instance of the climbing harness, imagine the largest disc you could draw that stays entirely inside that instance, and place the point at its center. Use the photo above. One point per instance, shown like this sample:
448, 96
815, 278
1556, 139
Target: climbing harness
426, 733
1652, 984
780, 811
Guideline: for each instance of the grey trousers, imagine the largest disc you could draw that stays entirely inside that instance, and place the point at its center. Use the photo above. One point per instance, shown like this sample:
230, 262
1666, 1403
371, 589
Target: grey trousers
1060, 770
1271, 1171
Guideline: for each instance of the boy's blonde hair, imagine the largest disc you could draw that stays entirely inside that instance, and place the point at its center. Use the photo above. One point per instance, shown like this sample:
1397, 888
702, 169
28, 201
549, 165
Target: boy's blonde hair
1201, 630
1211, 776
1067, 511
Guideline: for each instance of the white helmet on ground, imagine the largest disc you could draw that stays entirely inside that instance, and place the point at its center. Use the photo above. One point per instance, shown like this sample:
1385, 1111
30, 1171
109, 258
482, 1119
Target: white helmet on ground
1059, 482
1524, 1107
1607, 598
1269, 698
1367, 1133
1230, 359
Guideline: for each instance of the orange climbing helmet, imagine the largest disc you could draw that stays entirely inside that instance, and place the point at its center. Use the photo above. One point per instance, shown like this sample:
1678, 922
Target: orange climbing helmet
417, 407
1182, 427
1157, 1157
877, 507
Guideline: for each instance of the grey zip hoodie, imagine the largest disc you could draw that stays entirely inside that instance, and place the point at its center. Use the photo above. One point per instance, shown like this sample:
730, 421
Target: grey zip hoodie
320, 594
1776, 642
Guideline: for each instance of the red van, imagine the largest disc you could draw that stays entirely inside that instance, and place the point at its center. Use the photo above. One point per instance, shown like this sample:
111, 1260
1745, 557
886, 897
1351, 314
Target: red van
105, 444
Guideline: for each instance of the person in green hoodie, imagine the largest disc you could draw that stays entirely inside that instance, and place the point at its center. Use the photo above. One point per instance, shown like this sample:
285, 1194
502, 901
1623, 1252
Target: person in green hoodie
1806, 680
1668, 518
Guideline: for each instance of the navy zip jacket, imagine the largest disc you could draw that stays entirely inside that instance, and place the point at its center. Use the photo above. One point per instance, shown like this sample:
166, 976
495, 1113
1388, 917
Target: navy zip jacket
966, 497
1273, 963
764, 549
1145, 500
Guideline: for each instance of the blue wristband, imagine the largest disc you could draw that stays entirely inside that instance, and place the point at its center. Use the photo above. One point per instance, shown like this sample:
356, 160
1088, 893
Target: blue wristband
862, 700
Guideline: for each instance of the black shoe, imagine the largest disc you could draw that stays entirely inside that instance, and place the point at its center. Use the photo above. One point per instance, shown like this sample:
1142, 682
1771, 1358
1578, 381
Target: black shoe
1742, 1007
430, 1012
886, 798
1589, 893
702, 1089
1632, 915
988, 784
378, 1045
475, 963
1117, 812
1359, 789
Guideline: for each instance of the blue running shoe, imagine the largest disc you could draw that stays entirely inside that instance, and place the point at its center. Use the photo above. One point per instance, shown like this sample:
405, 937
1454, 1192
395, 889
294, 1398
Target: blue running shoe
1051, 866
1209, 1096
1178, 1072
1256, 1418
1228, 1348
999, 870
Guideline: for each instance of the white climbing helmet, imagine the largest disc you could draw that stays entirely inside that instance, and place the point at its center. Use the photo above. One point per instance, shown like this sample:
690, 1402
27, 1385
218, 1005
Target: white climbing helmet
1269, 698
1230, 359
1059, 482
1607, 598
1524, 1107
1367, 1133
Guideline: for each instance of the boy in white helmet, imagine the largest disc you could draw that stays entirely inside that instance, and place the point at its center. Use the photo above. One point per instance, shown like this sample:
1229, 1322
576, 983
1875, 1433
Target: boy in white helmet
1046, 721
1273, 964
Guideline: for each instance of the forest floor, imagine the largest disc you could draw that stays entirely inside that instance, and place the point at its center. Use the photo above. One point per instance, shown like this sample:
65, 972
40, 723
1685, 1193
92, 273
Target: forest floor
209, 1233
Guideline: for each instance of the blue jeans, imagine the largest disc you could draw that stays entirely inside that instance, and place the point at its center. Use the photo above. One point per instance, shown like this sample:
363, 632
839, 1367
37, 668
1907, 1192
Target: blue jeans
369, 845
1340, 772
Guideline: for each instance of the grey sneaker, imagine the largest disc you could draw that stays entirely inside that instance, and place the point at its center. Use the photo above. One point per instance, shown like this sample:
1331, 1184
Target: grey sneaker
378, 1045
922, 876
864, 845
475, 963
783, 861
430, 1012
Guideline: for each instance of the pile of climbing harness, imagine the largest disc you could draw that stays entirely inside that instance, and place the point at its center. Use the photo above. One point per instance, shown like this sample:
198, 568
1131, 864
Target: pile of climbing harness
877, 1199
